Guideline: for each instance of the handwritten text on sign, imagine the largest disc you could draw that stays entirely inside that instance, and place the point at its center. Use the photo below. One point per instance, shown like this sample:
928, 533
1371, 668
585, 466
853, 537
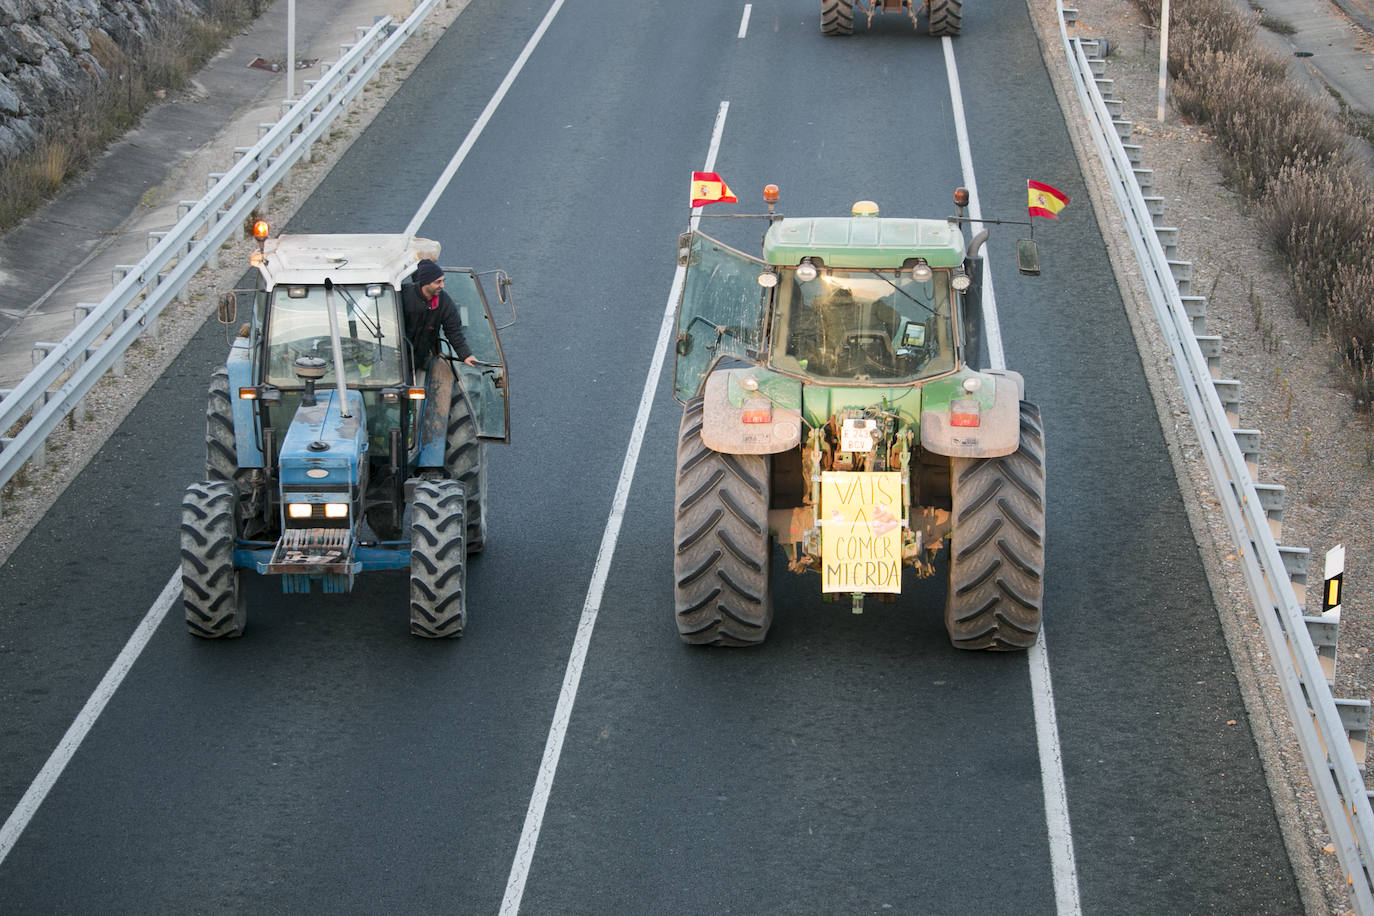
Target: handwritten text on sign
861, 531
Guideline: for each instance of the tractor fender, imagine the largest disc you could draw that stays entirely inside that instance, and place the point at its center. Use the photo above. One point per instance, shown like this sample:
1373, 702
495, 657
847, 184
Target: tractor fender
998, 432
239, 365
725, 401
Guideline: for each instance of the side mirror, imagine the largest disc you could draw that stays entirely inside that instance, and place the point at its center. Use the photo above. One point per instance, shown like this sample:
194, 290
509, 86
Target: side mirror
503, 285
1027, 257
228, 308
684, 249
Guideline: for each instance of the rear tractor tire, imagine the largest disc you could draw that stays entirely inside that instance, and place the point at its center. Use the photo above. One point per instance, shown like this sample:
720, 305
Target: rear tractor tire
722, 547
997, 546
465, 462
211, 588
837, 17
438, 560
946, 17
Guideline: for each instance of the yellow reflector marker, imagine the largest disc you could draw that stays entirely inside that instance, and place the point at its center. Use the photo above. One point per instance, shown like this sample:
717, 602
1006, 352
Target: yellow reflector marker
416, 394
248, 394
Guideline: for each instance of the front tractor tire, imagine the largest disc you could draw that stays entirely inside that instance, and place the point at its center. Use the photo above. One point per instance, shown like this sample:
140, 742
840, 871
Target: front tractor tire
438, 559
837, 17
211, 588
722, 548
465, 462
997, 546
221, 453
946, 17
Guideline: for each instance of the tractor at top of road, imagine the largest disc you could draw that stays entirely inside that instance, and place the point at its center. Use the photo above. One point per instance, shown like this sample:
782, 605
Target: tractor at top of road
943, 17
833, 406
328, 452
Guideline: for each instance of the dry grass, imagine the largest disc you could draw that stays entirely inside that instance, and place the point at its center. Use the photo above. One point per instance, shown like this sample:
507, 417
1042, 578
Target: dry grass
1287, 155
133, 81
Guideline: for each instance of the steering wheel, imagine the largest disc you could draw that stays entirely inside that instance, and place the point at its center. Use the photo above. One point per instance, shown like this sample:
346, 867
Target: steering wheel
353, 350
873, 347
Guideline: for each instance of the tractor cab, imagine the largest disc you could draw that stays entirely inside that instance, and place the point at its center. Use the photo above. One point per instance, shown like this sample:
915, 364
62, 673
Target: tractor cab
834, 301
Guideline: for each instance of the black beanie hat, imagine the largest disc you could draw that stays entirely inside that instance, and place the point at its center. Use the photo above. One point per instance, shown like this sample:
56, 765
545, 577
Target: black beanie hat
427, 272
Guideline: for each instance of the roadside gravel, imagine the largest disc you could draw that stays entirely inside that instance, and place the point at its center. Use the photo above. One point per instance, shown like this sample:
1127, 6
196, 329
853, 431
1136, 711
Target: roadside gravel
1314, 442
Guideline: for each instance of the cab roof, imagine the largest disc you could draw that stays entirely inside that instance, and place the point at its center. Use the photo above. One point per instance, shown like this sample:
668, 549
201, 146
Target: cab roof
357, 258
864, 241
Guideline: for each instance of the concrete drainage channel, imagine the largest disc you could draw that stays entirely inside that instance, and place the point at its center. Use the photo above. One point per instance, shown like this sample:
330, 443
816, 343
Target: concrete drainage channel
1331, 732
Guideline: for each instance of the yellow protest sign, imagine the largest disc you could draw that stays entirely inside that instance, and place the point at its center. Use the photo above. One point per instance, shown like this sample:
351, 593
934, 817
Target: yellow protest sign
861, 531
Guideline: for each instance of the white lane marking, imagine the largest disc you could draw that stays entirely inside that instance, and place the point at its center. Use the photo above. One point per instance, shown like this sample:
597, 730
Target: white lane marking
85, 720
744, 23
452, 168
572, 676
1062, 861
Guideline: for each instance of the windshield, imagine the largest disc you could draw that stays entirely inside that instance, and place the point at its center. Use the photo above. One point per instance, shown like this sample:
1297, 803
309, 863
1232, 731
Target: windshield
368, 335
862, 324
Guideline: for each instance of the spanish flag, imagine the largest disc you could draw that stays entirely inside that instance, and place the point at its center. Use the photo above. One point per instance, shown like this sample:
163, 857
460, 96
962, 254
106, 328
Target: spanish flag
1044, 200
707, 188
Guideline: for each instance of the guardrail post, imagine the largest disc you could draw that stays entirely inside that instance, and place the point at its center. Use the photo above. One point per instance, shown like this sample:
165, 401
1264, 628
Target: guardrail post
1183, 275
150, 326
1156, 207
1355, 718
1210, 346
1296, 561
1271, 496
1168, 240
1325, 634
1228, 392
38, 459
1248, 441
1196, 308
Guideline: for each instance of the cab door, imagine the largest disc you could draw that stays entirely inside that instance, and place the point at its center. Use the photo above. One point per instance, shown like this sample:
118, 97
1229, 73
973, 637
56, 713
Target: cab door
721, 313
486, 384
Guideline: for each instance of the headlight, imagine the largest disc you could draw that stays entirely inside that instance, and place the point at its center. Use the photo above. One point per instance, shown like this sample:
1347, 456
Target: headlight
336, 510
298, 510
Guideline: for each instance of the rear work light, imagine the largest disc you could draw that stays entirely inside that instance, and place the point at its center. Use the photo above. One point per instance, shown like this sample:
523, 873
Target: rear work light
963, 413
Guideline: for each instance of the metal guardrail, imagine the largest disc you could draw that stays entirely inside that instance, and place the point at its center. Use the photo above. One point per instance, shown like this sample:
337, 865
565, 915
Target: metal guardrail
1315, 713
61, 381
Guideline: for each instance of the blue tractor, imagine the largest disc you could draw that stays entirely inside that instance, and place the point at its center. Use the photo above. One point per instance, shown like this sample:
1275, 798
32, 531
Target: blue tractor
327, 452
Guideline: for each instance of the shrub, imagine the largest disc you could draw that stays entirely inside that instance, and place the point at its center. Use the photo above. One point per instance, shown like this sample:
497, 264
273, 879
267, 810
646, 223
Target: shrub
1288, 154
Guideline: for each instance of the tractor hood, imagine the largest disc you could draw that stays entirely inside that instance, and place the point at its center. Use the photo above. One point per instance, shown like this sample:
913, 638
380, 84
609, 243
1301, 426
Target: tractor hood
322, 448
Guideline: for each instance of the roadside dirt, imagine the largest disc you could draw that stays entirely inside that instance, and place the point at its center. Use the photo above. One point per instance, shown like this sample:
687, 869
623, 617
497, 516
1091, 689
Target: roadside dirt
1314, 442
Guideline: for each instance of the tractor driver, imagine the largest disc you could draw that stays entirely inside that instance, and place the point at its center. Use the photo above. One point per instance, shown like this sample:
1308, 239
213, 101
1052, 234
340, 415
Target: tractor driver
427, 309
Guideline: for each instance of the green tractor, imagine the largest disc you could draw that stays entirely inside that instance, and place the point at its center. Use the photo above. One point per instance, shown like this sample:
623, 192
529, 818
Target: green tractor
943, 17
831, 406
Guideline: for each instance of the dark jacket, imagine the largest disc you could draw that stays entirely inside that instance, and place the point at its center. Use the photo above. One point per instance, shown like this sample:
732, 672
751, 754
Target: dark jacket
423, 323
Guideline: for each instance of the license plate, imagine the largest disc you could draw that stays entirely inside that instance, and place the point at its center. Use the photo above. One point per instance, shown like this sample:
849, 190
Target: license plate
858, 435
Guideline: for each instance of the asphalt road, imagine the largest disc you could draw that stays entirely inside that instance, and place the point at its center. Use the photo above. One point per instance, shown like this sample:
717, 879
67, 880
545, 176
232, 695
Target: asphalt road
328, 762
